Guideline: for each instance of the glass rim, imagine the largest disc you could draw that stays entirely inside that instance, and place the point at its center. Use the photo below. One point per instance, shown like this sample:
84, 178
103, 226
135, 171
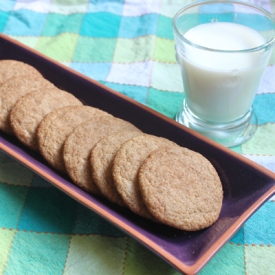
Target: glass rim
201, 2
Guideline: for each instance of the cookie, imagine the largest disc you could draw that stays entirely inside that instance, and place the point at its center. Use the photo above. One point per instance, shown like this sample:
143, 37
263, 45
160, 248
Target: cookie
56, 126
79, 144
101, 160
181, 188
126, 165
12, 90
10, 68
30, 109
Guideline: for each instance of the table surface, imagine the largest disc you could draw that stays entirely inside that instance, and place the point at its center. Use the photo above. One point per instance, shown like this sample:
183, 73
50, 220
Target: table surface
127, 46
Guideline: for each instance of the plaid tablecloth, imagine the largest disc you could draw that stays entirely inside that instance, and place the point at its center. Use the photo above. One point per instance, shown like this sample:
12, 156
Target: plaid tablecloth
128, 46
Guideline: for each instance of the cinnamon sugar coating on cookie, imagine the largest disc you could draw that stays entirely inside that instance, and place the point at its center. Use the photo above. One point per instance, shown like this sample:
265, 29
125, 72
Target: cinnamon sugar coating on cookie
56, 126
101, 159
181, 188
12, 90
80, 142
30, 109
126, 165
10, 68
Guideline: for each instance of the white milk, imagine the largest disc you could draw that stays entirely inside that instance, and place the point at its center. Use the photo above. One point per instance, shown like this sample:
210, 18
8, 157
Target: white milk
220, 87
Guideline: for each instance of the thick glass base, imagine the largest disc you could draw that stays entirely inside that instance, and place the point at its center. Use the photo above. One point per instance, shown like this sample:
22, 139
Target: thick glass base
228, 134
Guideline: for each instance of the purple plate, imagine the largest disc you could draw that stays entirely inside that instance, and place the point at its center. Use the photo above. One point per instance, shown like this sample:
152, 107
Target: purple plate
246, 185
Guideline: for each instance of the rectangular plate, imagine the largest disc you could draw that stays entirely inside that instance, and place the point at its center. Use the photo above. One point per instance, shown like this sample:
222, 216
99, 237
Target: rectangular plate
246, 185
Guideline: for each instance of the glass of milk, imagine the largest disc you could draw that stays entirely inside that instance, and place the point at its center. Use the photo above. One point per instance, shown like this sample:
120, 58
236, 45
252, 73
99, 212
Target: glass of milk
223, 48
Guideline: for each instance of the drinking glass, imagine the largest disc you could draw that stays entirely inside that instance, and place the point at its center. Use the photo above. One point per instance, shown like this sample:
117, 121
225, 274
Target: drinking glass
221, 77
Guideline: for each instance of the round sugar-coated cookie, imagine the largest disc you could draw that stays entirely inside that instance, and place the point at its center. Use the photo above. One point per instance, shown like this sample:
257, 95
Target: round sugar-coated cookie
101, 159
30, 109
56, 126
79, 143
10, 68
12, 90
181, 188
126, 165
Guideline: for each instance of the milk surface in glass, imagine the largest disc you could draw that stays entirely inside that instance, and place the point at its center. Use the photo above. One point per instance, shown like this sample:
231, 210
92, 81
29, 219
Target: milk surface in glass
221, 86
